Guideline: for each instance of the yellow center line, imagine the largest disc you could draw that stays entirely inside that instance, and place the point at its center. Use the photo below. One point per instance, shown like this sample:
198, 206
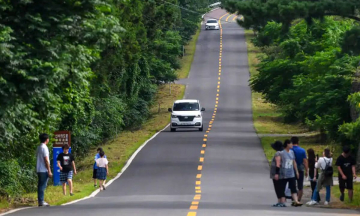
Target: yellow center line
227, 18
235, 18
195, 203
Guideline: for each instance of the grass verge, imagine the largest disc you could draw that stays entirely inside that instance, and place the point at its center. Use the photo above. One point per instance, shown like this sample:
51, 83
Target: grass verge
346, 204
188, 58
120, 149
267, 120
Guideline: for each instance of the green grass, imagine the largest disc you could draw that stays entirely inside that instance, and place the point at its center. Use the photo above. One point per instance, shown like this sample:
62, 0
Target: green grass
117, 151
120, 149
356, 199
188, 58
267, 118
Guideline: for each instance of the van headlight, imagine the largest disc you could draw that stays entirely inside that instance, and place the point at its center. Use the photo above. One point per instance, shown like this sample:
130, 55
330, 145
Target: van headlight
198, 116
173, 116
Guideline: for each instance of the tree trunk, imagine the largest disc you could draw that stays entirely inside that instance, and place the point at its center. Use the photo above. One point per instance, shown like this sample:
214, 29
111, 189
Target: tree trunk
355, 87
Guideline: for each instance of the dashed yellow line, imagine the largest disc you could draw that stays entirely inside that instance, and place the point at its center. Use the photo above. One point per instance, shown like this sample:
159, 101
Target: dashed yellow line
196, 200
235, 18
227, 18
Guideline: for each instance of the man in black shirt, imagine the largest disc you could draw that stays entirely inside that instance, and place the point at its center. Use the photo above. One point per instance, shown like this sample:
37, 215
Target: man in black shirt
66, 163
346, 168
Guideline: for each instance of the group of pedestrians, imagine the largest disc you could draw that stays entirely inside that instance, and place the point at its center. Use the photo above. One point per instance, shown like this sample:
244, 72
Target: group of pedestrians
290, 166
66, 164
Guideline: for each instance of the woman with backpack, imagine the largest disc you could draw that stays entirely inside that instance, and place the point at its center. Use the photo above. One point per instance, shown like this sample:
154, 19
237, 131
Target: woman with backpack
325, 177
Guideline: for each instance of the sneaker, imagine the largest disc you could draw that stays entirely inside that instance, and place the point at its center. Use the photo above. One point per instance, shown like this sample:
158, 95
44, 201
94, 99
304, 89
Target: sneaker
342, 198
43, 204
326, 203
312, 202
71, 194
95, 185
279, 205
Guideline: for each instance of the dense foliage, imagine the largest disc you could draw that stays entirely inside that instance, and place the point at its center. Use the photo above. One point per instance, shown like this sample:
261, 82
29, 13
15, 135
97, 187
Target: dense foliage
91, 67
311, 56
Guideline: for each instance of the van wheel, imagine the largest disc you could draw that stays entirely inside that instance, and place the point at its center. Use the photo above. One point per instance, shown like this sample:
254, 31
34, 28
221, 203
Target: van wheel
173, 129
202, 128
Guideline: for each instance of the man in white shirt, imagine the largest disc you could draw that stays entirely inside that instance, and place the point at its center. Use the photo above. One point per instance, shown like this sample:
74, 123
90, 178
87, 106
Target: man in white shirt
43, 168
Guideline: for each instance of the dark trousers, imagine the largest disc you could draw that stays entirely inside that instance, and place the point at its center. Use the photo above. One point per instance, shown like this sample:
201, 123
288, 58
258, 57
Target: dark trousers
278, 186
42, 183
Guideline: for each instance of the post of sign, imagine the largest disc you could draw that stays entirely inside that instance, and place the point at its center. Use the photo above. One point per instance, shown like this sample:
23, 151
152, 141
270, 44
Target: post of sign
61, 138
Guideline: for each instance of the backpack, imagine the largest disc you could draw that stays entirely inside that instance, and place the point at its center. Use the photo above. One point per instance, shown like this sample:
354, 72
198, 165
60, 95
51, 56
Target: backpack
328, 171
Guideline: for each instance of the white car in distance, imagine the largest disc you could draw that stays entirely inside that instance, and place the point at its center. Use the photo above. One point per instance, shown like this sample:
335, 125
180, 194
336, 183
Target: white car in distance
186, 114
212, 24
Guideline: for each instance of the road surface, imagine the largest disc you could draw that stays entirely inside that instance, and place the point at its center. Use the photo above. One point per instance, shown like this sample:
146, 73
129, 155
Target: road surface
176, 174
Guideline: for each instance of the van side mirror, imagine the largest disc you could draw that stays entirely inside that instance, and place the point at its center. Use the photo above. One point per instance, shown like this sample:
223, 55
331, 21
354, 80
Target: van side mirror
170, 110
203, 109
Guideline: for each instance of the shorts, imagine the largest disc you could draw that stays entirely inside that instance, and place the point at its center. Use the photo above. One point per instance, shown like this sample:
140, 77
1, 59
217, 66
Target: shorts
101, 173
300, 181
65, 176
292, 184
94, 173
346, 184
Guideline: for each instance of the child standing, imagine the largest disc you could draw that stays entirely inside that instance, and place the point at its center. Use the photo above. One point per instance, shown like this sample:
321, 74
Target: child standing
102, 169
97, 156
66, 163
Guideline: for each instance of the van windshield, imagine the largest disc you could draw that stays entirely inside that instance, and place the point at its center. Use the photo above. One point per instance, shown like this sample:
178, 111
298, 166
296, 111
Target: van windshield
211, 21
186, 106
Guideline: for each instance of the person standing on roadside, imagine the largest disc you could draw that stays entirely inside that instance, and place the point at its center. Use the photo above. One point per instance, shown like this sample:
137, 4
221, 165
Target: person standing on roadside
66, 163
102, 170
325, 178
312, 160
289, 171
275, 174
97, 156
302, 164
346, 167
43, 168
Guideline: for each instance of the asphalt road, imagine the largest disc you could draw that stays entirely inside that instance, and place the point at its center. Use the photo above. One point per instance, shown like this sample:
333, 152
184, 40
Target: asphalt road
164, 179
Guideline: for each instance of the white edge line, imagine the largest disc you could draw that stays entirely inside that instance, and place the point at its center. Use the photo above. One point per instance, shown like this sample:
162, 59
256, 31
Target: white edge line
122, 170
15, 210
93, 194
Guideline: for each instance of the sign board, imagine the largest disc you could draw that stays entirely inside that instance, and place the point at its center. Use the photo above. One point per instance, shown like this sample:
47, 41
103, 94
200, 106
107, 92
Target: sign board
61, 138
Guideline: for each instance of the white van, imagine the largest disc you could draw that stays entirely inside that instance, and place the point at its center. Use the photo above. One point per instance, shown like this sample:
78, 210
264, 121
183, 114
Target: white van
186, 114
